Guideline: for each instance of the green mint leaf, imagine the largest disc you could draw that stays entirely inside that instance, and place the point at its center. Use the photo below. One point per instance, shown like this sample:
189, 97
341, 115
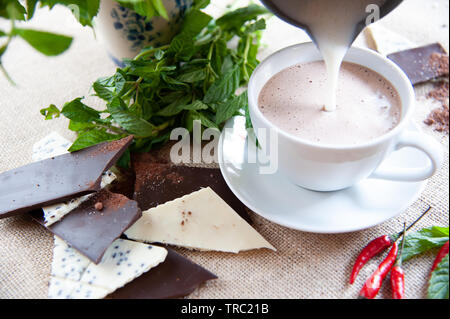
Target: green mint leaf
192, 76
159, 54
80, 112
116, 105
182, 45
439, 281
175, 108
47, 43
144, 8
50, 112
133, 123
79, 126
125, 160
201, 4
248, 121
173, 83
83, 10
92, 137
194, 22
192, 116
423, 241
12, 9
256, 26
236, 19
442, 230
228, 109
159, 7
31, 8
103, 91
224, 87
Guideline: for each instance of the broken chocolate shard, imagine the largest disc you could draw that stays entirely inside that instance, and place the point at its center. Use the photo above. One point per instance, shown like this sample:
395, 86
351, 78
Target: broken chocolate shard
91, 231
424, 63
160, 183
176, 277
57, 179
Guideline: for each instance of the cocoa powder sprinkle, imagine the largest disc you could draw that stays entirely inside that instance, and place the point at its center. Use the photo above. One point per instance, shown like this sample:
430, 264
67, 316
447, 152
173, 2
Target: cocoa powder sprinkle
439, 117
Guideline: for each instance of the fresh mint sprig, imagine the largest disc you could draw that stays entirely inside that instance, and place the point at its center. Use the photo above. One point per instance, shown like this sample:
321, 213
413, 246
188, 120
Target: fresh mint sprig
85, 11
438, 285
195, 77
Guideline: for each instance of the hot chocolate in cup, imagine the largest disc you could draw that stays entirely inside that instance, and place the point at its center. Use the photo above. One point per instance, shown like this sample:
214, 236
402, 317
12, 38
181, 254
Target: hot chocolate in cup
330, 167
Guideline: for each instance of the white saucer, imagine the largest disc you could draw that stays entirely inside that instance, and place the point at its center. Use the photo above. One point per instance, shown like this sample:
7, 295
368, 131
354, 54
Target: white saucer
365, 205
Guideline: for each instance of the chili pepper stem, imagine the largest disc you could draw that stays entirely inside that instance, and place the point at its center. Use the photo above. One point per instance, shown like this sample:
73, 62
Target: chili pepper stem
399, 259
400, 234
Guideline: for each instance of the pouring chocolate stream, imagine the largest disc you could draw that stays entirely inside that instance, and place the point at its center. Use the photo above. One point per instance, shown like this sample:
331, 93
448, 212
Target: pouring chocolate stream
333, 26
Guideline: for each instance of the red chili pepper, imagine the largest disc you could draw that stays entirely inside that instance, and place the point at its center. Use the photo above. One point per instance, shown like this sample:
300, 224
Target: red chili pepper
376, 246
373, 284
442, 253
398, 282
397, 273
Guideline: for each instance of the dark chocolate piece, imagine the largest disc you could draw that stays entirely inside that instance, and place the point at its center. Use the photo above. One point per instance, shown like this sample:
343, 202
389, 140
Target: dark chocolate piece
124, 183
159, 183
176, 277
423, 63
91, 231
57, 179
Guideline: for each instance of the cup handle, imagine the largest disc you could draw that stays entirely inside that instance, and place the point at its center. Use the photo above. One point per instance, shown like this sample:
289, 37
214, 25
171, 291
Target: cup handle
422, 142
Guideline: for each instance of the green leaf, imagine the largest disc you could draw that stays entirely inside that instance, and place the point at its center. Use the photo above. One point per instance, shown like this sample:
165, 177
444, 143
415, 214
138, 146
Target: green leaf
182, 45
12, 9
133, 124
50, 112
192, 76
159, 7
439, 281
236, 19
47, 43
194, 22
201, 4
116, 105
174, 108
423, 241
248, 120
256, 26
103, 92
83, 10
228, 109
224, 87
79, 112
92, 137
192, 116
31, 8
125, 160
144, 8
79, 126
2, 34
159, 54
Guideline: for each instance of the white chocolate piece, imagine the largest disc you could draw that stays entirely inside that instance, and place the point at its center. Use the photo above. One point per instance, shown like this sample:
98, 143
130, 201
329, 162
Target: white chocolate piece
73, 276
202, 221
385, 41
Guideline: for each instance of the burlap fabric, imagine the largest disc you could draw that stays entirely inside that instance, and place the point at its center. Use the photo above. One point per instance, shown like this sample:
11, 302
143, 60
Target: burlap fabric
305, 265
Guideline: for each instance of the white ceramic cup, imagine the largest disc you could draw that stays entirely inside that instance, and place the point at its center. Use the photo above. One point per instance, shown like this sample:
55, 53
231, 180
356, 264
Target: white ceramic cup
334, 167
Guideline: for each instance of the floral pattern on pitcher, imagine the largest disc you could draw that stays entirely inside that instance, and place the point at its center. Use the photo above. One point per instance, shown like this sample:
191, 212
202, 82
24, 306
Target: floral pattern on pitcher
155, 32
